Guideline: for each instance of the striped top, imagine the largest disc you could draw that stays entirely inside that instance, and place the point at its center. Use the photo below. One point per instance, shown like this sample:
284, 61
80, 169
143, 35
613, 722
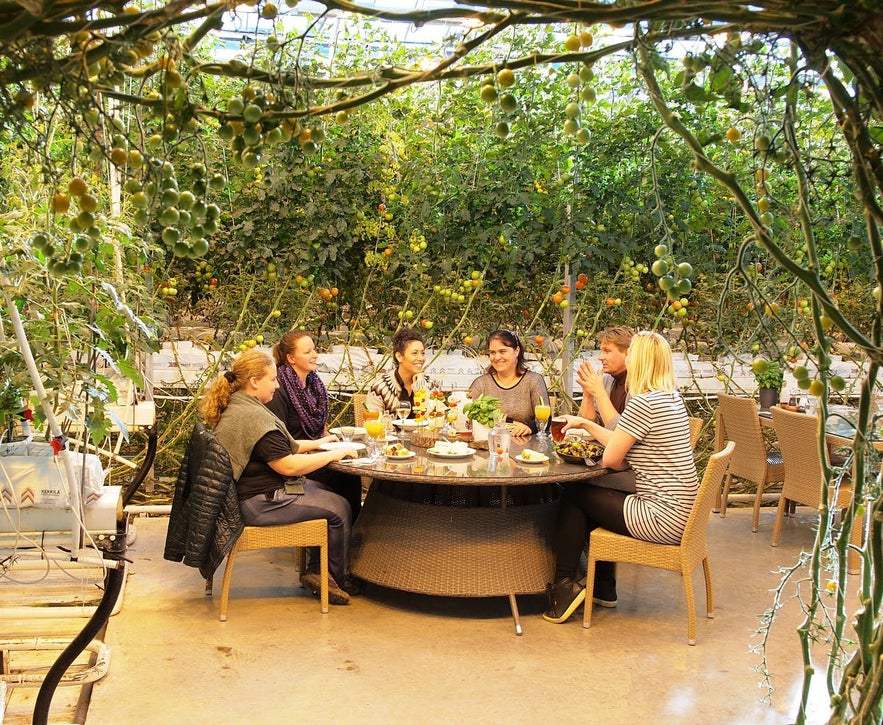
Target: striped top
666, 483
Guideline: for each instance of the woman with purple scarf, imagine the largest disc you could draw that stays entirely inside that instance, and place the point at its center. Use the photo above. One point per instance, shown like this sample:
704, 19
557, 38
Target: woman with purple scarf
301, 401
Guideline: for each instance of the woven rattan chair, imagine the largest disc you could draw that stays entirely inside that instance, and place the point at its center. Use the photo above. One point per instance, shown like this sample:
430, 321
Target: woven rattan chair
737, 417
798, 438
695, 431
305, 533
604, 545
359, 408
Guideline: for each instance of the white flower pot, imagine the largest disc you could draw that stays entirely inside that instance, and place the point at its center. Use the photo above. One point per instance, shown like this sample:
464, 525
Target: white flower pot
480, 431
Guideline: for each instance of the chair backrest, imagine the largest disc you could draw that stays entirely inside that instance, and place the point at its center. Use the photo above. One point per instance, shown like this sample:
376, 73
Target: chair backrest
696, 530
695, 431
798, 435
359, 408
740, 422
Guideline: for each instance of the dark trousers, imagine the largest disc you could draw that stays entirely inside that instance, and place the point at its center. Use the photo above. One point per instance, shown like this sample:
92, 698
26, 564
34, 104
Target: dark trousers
343, 484
316, 502
584, 508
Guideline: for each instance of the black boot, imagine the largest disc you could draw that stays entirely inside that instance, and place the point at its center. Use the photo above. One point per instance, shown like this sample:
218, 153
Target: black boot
604, 593
565, 595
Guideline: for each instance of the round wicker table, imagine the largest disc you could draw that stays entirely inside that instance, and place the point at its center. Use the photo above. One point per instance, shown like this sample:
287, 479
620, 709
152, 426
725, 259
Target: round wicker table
476, 526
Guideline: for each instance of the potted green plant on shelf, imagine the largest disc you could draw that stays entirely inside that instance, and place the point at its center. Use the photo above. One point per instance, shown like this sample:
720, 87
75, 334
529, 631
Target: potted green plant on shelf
482, 412
769, 376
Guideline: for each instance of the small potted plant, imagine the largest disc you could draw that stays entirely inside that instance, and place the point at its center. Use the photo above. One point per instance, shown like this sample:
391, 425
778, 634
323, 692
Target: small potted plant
769, 377
481, 412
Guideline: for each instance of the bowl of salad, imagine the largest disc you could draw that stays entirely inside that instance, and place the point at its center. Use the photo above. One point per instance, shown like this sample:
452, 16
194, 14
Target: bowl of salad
579, 451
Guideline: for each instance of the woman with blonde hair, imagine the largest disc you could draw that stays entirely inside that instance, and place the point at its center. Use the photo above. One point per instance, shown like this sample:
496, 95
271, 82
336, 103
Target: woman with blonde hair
271, 468
652, 437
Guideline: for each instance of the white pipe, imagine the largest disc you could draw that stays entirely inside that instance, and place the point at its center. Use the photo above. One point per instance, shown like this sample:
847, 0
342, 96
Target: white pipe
156, 509
71, 677
25, 614
42, 558
72, 482
108, 454
67, 611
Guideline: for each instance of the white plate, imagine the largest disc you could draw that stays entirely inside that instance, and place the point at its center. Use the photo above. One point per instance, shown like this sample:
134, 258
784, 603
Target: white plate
358, 461
357, 431
444, 454
541, 458
409, 424
334, 445
400, 457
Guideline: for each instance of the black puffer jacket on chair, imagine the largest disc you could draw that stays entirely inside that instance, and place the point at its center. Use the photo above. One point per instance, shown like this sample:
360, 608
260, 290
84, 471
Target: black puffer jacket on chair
205, 520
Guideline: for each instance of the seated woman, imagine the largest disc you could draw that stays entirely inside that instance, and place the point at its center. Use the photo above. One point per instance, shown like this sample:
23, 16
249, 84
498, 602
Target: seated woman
270, 467
409, 355
653, 437
508, 379
301, 401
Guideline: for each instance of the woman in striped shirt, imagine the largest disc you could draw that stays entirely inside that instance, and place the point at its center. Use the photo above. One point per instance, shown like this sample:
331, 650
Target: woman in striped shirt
652, 438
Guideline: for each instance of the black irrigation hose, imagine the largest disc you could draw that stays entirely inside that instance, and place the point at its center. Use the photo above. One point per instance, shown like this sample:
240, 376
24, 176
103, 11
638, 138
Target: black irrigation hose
132, 488
113, 584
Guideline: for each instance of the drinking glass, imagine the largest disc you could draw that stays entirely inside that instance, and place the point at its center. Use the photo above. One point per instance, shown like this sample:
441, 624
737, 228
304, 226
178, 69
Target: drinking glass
542, 412
403, 410
376, 430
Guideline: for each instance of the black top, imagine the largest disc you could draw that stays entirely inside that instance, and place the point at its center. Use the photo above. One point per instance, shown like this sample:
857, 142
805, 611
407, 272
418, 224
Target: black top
258, 477
282, 406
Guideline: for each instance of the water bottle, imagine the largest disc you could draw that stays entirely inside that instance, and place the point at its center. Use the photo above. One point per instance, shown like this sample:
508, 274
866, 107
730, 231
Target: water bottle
499, 438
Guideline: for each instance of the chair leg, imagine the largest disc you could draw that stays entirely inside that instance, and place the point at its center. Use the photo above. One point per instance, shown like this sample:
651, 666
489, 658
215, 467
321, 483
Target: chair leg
209, 582
726, 495
323, 575
513, 605
709, 589
757, 501
691, 608
300, 556
225, 586
780, 514
590, 591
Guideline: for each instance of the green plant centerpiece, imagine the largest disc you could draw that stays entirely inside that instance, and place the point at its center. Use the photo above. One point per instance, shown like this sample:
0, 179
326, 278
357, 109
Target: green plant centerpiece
768, 373
483, 409
769, 377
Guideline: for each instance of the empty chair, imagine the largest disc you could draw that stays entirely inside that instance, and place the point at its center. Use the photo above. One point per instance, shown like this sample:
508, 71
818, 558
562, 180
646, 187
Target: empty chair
798, 435
604, 545
737, 421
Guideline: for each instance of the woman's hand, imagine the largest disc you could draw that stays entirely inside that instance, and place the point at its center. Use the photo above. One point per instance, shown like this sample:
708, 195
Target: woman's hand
308, 444
575, 421
520, 430
345, 452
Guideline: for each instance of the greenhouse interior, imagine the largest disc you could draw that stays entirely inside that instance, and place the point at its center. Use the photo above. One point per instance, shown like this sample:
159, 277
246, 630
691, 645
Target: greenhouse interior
380, 361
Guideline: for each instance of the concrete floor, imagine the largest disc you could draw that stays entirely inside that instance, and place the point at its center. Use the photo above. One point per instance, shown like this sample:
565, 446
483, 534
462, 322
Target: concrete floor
394, 657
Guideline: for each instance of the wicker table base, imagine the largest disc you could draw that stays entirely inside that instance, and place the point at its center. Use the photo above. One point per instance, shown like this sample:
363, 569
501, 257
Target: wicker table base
454, 551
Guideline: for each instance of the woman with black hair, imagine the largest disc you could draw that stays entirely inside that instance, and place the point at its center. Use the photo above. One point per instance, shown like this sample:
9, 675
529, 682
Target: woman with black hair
508, 379
406, 379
